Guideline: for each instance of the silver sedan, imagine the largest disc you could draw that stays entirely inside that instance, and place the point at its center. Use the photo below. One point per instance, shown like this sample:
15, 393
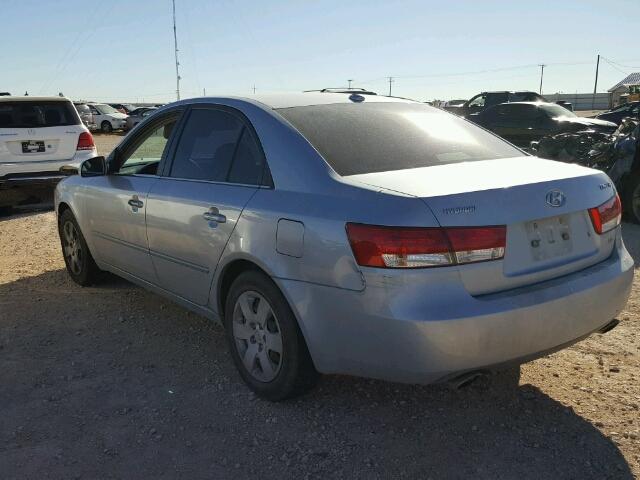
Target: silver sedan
338, 233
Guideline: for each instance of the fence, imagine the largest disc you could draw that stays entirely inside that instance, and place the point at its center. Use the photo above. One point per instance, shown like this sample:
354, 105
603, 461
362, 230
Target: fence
582, 101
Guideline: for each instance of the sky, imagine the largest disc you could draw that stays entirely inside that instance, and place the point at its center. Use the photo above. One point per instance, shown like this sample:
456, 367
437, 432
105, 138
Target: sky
123, 50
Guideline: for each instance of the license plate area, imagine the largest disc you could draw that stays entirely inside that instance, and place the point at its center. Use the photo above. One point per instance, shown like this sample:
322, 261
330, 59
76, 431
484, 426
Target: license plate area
550, 237
33, 146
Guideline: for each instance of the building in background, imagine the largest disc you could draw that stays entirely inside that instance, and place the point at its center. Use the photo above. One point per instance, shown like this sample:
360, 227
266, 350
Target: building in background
622, 88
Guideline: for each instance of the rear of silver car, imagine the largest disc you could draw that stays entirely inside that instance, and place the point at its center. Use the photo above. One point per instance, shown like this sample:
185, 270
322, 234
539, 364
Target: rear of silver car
522, 257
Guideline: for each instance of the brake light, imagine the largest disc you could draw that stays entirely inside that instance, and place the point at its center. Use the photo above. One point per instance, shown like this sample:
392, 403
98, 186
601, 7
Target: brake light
417, 247
85, 141
606, 216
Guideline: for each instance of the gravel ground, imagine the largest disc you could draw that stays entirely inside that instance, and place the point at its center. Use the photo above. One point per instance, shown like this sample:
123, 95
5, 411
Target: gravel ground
115, 382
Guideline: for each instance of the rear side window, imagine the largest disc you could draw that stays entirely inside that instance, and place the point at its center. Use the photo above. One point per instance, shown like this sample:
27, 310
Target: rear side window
27, 114
248, 163
216, 146
379, 137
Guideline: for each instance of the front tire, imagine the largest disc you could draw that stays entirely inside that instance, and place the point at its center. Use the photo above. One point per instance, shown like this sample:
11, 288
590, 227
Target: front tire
106, 127
266, 343
78, 259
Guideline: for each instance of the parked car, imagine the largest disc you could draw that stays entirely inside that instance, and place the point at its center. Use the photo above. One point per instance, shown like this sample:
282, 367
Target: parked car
136, 116
425, 250
123, 107
619, 113
86, 116
107, 118
38, 135
523, 122
485, 100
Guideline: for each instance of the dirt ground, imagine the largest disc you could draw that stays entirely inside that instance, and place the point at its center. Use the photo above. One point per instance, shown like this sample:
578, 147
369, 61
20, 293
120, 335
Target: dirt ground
115, 382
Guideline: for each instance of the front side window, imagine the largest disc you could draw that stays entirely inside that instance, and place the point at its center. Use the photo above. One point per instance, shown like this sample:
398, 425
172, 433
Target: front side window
380, 137
478, 101
144, 154
216, 146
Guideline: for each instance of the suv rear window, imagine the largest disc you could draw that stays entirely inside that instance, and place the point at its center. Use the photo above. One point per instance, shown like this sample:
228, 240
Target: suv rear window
26, 114
379, 137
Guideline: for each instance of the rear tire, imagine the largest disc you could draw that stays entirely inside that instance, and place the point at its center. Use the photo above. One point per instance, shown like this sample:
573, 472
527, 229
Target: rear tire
78, 259
106, 127
265, 340
631, 200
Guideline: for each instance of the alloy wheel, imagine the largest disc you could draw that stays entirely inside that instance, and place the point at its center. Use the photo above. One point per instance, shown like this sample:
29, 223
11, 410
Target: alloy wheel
72, 247
258, 336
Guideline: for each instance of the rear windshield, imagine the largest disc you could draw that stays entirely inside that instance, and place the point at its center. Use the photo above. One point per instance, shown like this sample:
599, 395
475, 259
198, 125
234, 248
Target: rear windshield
379, 137
25, 114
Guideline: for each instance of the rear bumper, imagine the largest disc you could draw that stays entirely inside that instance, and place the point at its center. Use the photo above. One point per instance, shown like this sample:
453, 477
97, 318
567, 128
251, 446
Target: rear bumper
22, 179
399, 331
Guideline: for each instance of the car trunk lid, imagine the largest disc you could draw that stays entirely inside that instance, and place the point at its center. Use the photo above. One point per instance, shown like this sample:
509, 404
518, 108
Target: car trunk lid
543, 204
38, 144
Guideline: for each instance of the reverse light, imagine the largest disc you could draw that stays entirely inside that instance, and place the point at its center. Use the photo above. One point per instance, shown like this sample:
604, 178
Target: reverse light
85, 141
606, 216
418, 247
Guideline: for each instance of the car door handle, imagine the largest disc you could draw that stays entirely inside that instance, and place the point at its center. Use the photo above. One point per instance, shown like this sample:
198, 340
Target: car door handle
213, 215
135, 202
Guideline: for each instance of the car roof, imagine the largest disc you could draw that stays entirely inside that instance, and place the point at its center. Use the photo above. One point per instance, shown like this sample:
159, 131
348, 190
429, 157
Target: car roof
33, 99
304, 99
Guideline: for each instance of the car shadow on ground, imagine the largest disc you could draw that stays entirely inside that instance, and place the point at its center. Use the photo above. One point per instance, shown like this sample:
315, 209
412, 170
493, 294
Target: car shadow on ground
115, 381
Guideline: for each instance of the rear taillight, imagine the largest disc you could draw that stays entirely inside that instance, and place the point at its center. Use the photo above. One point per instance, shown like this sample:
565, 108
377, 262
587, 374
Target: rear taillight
417, 247
606, 216
85, 141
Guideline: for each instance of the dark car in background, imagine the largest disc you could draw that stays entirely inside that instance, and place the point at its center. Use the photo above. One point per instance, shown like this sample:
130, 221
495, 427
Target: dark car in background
523, 122
485, 100
621, 112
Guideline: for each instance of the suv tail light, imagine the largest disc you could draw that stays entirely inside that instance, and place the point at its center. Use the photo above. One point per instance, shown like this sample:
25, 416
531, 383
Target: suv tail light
606, 216
417, 247
85, 141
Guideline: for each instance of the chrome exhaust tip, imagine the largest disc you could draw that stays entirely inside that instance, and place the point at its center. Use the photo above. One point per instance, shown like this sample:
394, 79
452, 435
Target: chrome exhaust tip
466, 379
609, 326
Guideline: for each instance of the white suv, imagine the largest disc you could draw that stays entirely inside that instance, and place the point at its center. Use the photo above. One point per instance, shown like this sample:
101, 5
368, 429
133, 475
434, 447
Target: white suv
107, 118
38, 136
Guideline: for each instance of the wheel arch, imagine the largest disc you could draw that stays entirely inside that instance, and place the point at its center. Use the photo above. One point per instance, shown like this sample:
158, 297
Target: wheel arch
230, 271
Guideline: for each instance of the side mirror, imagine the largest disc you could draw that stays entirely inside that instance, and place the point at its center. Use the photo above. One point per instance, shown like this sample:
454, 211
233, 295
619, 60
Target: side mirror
94, 167
69, 170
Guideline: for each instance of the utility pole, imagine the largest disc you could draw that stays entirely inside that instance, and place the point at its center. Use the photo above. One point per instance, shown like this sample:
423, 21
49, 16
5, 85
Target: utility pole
204, 92
175, 41
595, 85
391, 80
254, 88
542, 65
349, 83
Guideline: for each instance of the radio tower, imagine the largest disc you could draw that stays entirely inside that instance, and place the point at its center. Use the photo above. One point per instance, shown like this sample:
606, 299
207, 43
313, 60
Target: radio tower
175, 41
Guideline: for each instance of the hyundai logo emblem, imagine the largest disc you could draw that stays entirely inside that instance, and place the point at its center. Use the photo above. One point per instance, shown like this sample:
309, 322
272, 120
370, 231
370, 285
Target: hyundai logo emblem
555, 198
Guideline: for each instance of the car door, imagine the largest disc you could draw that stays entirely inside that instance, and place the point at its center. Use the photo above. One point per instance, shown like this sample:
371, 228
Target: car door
217, 166
115, 204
